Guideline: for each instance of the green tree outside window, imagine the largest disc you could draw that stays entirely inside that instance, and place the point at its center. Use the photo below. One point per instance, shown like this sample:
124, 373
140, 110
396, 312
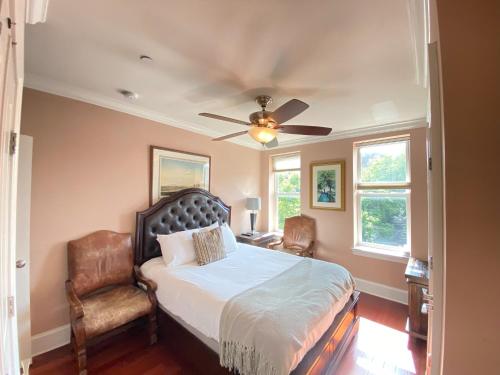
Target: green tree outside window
288, 195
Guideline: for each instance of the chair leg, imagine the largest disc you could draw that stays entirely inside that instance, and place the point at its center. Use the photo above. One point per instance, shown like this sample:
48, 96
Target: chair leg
80, 349
72, 342
82, 360
152, 328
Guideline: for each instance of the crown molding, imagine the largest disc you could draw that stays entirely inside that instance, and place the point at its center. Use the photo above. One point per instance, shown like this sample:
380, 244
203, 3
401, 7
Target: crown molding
57, 88
359, 132
36, 11
51, 86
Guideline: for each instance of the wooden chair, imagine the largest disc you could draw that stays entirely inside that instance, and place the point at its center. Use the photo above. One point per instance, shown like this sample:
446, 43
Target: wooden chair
298, 236
102, 290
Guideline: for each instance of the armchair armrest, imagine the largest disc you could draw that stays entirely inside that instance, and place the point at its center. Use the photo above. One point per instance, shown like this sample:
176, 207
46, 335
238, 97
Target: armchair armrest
301, 249
151, 286
75, 305
272, 245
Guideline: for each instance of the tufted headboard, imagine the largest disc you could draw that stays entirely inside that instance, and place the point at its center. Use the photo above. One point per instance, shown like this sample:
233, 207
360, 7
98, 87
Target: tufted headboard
184, 210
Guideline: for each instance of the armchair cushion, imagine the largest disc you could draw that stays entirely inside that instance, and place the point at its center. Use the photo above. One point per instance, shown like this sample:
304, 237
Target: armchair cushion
99, 260
112, 308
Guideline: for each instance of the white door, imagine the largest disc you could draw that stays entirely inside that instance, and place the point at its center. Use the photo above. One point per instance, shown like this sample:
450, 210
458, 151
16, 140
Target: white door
435, 194
23, 250
10, 101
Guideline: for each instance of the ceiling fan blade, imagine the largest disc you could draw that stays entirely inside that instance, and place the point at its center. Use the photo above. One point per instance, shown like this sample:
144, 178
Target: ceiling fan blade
273, 143
289, 110
304, 130
229, 136
223, 118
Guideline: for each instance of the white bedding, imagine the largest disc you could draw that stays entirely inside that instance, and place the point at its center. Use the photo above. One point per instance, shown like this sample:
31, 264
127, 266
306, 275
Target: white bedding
197, 294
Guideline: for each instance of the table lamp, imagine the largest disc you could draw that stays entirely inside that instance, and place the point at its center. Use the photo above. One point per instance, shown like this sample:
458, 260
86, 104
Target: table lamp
253, 204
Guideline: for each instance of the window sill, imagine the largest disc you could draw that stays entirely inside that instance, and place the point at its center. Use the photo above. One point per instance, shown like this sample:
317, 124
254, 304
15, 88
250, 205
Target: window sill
391, 256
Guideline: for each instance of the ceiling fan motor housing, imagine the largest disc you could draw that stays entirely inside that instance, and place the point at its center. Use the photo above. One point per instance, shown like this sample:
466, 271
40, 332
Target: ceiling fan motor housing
263, 101
263, 119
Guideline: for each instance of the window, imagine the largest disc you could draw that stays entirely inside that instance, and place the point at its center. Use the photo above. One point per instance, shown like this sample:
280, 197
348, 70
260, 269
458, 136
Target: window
382, 189
286, 194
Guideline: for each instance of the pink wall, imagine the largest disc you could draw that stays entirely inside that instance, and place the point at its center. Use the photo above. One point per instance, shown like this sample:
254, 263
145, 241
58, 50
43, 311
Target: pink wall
335, 228
469, 40
91, 171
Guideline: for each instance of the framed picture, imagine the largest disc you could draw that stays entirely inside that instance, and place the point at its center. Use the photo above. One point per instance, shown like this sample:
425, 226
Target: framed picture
173, 170
327, 188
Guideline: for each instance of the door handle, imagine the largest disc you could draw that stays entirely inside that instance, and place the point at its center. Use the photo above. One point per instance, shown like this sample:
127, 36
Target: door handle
429, 298
20, 263
426, 307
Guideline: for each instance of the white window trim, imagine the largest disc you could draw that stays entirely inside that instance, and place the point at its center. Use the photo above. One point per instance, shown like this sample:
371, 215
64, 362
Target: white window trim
378, 251
274, 194
391, 255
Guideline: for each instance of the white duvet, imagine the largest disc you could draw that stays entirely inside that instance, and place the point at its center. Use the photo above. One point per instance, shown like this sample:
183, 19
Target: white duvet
197, 294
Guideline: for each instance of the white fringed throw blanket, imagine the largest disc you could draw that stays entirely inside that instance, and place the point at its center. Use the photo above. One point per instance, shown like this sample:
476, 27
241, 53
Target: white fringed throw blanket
263, 328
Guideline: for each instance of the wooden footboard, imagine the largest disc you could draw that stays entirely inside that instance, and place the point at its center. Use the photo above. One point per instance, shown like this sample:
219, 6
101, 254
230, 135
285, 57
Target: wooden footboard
323, 358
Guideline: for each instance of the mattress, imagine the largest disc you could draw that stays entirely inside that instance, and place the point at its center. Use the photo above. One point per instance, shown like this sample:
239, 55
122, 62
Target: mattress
195, 295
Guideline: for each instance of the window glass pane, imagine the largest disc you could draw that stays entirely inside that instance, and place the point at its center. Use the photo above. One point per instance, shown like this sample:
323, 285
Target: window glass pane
287, 195
283, 162
384, 220
287, 206
384, 162
288, 182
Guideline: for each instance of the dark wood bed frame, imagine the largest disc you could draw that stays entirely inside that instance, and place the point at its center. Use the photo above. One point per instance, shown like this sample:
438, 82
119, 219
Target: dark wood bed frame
197, 208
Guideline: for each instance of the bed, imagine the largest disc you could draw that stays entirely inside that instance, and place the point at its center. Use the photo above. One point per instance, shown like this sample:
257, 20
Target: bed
192, 298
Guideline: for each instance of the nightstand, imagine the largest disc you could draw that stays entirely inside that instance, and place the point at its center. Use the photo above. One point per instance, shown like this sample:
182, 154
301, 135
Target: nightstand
417, 277
261, 239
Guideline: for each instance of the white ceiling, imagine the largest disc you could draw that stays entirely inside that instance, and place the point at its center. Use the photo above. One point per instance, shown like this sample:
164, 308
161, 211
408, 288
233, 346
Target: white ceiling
359, 64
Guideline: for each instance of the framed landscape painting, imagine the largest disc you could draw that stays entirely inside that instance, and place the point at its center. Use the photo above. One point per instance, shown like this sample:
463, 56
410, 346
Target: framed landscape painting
173, 170
327, 188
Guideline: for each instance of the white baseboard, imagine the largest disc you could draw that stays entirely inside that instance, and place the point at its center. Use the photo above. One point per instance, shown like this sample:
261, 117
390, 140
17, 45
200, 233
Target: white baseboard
48, 340
382, 291
57, 337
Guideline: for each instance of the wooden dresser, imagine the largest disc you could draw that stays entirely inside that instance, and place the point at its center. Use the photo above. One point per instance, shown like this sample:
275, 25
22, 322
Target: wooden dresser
417, 277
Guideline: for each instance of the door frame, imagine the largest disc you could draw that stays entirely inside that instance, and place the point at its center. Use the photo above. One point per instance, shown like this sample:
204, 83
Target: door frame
436, 196
23, 250
436, 221
13, 24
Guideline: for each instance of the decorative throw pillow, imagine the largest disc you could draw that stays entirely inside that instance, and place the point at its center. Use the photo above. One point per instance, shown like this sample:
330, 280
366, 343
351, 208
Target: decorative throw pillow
209, 246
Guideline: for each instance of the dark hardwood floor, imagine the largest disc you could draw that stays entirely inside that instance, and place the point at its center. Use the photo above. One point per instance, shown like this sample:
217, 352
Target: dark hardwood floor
382, 347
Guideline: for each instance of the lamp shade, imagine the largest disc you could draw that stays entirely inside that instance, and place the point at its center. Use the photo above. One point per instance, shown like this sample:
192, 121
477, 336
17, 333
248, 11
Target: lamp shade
253, 204
262, 134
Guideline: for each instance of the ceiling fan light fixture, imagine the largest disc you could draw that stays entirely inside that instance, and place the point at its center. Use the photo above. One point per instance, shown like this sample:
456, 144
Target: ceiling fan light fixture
262, 134
264, 125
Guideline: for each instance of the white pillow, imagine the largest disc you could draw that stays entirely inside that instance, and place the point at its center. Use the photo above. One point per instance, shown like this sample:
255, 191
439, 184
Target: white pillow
178, 248
230, 243
210, 227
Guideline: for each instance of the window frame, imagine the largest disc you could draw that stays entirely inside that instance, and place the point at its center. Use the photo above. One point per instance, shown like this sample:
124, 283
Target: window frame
275, 191
361, 189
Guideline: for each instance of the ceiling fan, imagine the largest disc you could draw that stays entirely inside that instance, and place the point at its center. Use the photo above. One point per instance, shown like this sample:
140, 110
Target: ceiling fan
265, 125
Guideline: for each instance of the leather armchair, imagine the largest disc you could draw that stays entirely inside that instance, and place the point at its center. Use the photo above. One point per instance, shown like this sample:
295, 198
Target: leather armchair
104, 290
298, 236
